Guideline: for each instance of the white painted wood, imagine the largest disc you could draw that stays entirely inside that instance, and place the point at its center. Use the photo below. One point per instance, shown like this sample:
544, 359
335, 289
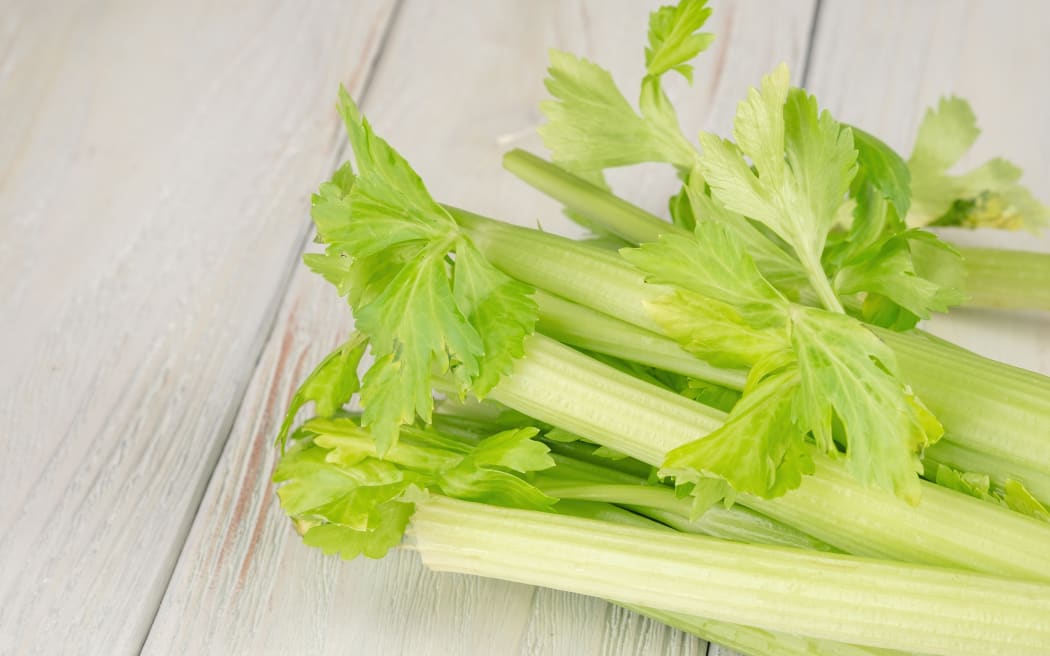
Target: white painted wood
457, 86
881, 64
155, 165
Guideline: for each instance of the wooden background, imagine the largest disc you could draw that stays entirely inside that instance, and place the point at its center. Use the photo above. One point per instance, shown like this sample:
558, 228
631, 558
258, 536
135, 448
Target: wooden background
156, 162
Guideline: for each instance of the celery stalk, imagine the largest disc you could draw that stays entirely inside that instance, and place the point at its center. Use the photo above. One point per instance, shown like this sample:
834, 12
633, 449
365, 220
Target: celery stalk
975, 441
560, 386
994, 278
584, 328
758, 642
661, 504
751, 640
984, 405
1007, 279
826, 596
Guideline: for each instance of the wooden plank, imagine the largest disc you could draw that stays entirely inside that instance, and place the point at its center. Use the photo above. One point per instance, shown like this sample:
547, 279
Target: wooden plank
880, 65
155, 165
458, 85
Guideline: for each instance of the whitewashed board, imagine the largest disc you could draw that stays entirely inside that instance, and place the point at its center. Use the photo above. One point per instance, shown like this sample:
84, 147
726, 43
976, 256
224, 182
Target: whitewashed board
155, 159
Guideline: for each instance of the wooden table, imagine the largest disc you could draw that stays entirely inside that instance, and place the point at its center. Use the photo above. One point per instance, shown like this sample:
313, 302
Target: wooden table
156, 162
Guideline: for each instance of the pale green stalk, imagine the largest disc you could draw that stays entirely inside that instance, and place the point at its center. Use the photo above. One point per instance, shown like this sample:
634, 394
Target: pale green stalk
994, 278
750, 640
1010, 400
984, 405
560, 386
826, 596
758, 642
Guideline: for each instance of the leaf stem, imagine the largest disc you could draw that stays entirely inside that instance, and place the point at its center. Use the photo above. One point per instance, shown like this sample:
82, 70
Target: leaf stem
616, 215
819, 281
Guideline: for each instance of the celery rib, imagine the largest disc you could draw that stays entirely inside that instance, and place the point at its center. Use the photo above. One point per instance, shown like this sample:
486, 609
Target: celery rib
826, 596
984, 405
1004, 279
558, 385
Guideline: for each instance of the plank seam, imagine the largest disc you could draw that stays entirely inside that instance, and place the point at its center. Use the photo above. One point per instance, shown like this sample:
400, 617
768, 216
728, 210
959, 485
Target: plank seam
814, 28
270, 320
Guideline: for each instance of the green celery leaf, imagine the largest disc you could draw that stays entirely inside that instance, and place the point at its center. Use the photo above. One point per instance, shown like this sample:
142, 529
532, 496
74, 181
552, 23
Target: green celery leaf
386, 526
883, 312
875, 257
499, 307
777, 266
609, 454
389, 201
330, 385
875, 220
391, 251
712, 263
1013, 495
882, 168
414, 325
422, 451
988, 196
487, 475
970, 483
347, 501
714, 331
758, 449
681, 209
803, 163
330, 206
591, 126
313, 484
711, 395
705, 490
724, 311
513, 449
674, 39
891, 273
1017, 498
849, 376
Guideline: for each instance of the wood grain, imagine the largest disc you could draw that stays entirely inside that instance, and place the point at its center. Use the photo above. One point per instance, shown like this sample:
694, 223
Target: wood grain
880, 65
155, 165
458, 85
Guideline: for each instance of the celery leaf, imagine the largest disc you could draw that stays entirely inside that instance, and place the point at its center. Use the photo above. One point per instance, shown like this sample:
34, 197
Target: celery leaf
350, 502
487, 473
414, 325
591, 125
849, 376
330, 385
882, 168
987, 196
723, 311
421, 293
803, 164
758, 449
674, 40
499, 307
